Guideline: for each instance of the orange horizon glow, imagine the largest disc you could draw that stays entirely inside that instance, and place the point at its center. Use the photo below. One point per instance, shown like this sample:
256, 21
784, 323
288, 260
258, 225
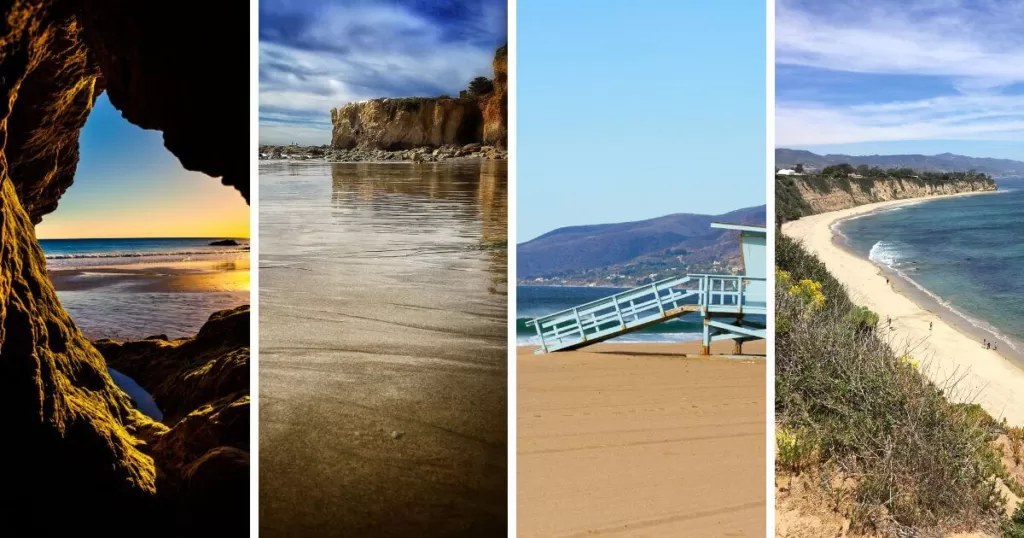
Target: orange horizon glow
186, 204
128, 185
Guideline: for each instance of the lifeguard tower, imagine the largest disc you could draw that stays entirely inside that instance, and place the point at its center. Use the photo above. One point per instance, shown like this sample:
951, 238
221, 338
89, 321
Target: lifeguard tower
723, 301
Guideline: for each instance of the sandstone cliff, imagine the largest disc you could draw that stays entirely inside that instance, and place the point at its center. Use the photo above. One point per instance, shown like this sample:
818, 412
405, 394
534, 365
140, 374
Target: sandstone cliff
796, 196
495, 106
79, 457
399, 124
394, 124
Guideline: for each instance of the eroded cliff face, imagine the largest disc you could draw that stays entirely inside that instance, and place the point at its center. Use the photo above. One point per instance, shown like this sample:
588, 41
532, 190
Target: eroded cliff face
79, 457
394, 124
400, 124
495, 106
843, 194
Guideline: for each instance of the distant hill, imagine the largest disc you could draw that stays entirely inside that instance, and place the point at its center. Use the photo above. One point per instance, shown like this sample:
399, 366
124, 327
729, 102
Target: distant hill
628, 253
944, 162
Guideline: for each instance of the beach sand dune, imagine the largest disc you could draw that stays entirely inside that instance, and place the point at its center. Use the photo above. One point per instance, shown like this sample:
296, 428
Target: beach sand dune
636, 440
946, 353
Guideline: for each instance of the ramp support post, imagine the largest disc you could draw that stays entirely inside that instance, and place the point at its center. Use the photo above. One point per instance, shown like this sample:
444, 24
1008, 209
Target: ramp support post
705, 348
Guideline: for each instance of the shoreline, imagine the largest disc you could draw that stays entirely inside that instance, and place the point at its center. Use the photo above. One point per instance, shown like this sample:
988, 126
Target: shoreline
950, 350
193, 276
472, 152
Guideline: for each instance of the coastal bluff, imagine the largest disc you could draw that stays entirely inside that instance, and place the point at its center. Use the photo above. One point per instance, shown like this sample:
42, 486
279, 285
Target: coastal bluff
798, 196
413, 122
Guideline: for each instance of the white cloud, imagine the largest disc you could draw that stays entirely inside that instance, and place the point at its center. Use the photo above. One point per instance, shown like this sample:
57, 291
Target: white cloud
362, 52
919, 38
973, 49
958, 117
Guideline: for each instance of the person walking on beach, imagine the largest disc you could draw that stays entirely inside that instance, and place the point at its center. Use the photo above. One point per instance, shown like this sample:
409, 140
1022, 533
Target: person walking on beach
888, 322
929, 325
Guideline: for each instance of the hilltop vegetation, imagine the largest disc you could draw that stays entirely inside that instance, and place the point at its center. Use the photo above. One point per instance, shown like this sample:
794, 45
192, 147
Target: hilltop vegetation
865, 183
870, 437
629, 253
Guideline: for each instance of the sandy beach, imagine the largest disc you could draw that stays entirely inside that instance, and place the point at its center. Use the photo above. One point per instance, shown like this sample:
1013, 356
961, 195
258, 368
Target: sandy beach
635, 440
383, 358
946, 352
131, 301
183, 277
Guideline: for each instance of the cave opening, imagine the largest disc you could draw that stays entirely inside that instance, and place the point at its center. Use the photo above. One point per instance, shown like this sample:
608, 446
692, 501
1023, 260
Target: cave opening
79, 436
139, 246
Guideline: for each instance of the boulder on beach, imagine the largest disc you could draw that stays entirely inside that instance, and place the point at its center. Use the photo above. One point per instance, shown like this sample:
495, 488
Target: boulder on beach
224, 243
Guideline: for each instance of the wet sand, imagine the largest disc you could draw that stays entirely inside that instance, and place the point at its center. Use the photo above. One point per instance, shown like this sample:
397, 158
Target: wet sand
138, 300
382, 351
163, 277
946, 351
635, 440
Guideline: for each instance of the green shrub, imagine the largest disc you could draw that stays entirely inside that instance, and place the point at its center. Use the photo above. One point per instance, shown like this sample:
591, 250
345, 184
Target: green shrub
795, 449
919, 460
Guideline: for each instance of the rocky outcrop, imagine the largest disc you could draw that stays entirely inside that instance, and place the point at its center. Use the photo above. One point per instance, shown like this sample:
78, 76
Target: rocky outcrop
413, 122
202, 386
394, 124
495, 105
420, 155
78, 460
806, 195
185, 374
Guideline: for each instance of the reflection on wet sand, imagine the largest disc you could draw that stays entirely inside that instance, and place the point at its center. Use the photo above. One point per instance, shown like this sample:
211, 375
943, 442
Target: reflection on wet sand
383, 349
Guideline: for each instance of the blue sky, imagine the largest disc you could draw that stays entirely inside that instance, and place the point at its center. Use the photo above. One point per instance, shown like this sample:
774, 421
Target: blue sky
634, 110
870, 76
320, 54
128, 185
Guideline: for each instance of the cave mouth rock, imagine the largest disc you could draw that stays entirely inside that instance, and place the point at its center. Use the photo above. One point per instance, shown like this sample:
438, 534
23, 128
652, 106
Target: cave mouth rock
83, 457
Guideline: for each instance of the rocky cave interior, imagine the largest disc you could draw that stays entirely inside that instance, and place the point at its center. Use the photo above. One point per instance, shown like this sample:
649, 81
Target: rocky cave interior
81, 457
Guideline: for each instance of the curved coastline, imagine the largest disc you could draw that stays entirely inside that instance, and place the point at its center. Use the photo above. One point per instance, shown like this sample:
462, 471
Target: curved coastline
951, 350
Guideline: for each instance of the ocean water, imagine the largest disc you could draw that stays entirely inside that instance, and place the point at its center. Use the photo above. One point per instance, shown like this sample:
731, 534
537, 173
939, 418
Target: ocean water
134, 304
964, 253
536, 301
81, 253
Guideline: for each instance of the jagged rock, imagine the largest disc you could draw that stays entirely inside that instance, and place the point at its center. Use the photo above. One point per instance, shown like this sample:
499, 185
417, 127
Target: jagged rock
76, 460
495, 105
185, 374
215, 495
201, 384
224, 243
395, 124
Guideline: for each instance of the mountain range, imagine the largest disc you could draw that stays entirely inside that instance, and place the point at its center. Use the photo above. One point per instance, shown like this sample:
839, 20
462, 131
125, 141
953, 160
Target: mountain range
944, 162
629, 253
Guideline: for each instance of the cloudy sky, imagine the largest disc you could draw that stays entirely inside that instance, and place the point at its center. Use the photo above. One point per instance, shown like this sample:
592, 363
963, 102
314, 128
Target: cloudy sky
320, 54
874, 76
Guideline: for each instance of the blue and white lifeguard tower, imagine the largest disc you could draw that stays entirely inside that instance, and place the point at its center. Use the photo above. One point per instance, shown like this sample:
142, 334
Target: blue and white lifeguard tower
723, 301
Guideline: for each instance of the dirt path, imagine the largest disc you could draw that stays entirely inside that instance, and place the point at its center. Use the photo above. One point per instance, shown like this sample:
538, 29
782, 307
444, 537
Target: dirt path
632, 440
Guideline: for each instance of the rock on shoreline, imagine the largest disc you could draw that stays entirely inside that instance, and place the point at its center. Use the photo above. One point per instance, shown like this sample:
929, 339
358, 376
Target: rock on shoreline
472, 151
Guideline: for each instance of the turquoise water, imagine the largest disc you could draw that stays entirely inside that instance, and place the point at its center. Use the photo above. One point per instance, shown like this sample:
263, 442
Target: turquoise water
966, 253
537, 301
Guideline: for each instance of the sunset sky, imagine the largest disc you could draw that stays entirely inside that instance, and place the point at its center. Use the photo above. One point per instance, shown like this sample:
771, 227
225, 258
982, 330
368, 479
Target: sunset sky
129, 185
